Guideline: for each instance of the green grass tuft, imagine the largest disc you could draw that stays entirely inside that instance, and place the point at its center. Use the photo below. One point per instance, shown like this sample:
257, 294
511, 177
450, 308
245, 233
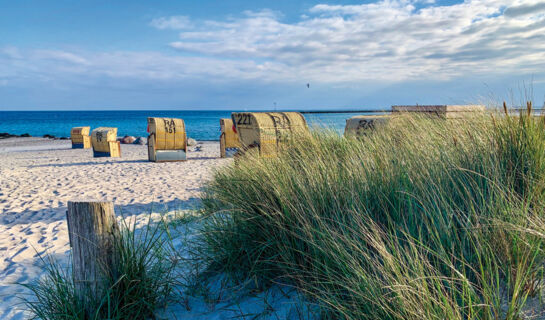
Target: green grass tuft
145, 267
420, 219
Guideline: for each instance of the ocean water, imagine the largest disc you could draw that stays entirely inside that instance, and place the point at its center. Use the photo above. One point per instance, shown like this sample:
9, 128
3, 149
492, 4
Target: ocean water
200, 125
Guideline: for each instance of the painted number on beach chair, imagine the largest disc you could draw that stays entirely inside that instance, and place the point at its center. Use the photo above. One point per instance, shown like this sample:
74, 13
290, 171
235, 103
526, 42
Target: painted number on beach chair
244, 119
99, 136
366, 124
170, 126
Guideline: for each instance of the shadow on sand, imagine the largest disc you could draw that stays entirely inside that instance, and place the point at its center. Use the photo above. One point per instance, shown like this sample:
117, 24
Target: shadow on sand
89, 163
54, 214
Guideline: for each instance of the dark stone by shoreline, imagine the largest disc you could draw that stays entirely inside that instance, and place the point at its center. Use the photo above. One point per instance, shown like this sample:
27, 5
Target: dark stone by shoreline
5, 135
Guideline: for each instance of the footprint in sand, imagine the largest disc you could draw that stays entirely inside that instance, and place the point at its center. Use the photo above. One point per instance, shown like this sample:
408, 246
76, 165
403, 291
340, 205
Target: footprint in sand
19, 251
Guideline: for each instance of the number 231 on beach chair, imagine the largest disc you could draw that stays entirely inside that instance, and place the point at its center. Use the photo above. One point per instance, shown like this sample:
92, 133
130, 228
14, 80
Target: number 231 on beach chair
167, 140
105, 144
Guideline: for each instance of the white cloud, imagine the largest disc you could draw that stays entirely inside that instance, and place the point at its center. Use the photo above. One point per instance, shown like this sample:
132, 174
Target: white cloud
174, 23
525, 9
10, 52
62, 66
61, 56
390, 41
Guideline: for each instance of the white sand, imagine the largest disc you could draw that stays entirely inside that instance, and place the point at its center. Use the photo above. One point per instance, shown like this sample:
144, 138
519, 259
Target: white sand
39, 176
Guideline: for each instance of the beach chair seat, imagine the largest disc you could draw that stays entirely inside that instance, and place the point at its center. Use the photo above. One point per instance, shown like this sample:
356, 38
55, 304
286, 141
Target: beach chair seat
80, 137
167, 140
104, 142
229, 142
267, 132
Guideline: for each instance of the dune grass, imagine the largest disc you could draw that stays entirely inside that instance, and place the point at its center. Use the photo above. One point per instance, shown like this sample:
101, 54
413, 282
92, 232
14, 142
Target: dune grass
419, 219
144, 281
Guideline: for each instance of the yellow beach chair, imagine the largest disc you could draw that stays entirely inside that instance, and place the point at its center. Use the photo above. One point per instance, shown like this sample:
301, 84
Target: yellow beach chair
80, 137
229, 142
167, 140
105, 144
267, 131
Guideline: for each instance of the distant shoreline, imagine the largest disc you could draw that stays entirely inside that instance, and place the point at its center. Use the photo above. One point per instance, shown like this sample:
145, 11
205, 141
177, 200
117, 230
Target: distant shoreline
200, 125
202, 111
344, 111
5, 136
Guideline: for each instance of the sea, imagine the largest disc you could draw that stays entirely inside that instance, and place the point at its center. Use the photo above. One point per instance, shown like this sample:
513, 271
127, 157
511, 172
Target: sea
200, 125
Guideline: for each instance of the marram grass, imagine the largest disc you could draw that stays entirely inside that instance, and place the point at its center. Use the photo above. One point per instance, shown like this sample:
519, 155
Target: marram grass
420, 219
145, 265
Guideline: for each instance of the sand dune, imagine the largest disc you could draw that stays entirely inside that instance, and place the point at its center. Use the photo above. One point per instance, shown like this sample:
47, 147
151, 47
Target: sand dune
39, 176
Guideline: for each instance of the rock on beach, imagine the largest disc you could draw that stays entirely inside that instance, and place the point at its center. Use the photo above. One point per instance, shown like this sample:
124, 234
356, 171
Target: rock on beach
128, 140
191, 142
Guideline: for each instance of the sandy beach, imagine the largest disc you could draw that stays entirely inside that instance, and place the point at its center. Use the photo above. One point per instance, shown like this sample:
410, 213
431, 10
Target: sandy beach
39, 176
390, 160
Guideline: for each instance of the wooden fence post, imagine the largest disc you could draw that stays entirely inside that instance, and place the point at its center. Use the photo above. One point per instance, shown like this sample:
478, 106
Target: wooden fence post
92, 229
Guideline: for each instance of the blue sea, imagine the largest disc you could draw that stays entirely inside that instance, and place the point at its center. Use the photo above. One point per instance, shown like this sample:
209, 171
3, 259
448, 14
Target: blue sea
201, 125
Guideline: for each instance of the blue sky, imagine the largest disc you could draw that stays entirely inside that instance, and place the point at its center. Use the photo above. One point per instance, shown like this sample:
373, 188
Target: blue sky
252, 54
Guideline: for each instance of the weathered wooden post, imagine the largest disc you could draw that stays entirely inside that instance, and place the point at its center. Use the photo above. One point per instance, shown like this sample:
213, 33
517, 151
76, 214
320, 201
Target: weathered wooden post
92, 229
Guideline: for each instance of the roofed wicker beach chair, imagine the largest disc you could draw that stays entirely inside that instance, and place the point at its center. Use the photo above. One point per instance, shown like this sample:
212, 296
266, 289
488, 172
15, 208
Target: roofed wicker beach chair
80, 137
167, 140
229, 142
105, 144
267, 132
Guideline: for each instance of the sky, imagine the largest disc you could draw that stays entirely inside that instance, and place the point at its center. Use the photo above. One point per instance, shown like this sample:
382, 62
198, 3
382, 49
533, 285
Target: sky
289, 54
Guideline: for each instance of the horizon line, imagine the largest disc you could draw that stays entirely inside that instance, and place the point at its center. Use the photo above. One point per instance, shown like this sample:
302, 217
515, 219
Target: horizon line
313, 110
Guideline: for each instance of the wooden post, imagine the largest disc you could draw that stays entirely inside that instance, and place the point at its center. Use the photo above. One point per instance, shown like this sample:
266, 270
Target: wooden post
92, 229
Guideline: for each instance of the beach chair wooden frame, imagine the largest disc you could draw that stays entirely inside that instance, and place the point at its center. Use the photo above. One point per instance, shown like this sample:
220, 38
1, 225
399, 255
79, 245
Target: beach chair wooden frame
167, 140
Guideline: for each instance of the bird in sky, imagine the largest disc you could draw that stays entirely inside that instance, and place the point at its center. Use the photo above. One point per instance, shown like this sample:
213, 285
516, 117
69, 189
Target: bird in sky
308, 85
